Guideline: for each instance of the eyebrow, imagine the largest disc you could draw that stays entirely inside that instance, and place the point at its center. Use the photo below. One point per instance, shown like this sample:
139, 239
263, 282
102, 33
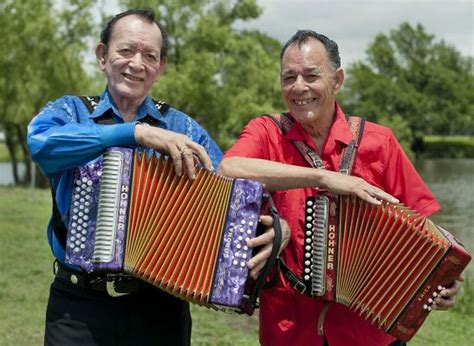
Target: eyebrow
306, 70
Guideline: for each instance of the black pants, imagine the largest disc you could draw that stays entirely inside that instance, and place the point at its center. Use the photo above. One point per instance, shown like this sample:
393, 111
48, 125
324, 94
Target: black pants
80, 316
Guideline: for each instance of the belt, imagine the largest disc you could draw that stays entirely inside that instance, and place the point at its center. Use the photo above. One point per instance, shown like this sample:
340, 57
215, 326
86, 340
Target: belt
115, 285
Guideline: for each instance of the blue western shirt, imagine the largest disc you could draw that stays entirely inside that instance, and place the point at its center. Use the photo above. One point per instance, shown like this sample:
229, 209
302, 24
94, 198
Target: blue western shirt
63, 135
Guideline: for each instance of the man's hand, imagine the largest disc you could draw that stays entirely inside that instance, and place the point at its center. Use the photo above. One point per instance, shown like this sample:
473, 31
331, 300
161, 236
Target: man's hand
182, 150
265, 240
343, 184
447, 297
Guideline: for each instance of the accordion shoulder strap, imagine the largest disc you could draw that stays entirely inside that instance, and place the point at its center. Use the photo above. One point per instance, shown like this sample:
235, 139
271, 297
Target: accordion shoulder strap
284, 122
356, 125
59, 228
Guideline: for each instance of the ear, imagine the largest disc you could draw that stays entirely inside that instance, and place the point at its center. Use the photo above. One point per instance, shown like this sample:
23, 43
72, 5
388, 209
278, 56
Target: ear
161, 69
339, 79
101, 55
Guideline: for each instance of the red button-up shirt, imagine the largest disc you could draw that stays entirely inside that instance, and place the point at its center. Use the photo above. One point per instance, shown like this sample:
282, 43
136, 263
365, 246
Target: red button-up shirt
290, 318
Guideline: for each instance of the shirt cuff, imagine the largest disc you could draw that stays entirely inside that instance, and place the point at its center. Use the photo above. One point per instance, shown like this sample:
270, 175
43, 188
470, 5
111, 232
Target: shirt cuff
120, 135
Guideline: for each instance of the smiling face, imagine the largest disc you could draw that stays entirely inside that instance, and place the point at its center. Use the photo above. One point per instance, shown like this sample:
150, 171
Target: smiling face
309, 82
131, 61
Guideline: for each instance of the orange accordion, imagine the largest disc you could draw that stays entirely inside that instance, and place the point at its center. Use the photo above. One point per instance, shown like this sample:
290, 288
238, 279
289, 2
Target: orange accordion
131, 214
386, 262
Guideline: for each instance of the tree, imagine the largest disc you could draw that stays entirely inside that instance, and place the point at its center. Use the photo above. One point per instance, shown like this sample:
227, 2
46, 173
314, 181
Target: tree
216, 73
40, 59
414, 84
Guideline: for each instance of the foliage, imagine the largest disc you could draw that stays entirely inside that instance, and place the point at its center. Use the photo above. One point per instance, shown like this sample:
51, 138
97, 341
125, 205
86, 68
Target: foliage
410, 76
217, 74
448, 146
40, 60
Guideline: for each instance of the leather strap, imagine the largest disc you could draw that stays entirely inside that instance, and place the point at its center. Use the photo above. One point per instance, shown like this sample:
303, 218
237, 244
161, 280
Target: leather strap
356, 125
251, 303
322, 315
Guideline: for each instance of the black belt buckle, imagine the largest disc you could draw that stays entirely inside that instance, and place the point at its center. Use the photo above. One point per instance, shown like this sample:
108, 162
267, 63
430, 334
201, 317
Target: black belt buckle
296, 283
118, 285
299, 286
112, 283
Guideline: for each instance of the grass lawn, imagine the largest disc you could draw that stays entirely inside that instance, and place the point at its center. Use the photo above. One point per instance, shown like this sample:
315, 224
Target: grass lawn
26, 272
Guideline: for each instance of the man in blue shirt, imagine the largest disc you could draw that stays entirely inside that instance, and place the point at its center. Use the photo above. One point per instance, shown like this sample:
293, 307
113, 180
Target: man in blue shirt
65, 135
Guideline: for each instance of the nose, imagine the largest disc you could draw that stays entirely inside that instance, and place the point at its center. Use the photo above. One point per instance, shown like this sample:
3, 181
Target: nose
299, 84
137, 61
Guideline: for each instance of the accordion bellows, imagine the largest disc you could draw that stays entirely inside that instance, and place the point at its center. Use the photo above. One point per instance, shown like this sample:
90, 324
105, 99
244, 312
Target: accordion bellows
387, 263
186, 237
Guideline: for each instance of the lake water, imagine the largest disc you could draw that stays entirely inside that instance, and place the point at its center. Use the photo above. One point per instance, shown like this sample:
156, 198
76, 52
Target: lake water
451, 180
6, 173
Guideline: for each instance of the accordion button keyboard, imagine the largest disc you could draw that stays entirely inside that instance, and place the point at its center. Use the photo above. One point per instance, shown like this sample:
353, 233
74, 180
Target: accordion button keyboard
316, 217
78, 228
108, 205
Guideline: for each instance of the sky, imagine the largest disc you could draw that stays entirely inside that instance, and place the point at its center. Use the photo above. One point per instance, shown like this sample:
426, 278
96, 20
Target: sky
354, 24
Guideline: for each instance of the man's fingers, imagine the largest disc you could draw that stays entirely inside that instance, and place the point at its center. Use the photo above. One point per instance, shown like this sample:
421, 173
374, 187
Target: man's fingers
187, 159
368, 198
257, 262
263, 239
202, 155
255, 272
175, 155
266, 220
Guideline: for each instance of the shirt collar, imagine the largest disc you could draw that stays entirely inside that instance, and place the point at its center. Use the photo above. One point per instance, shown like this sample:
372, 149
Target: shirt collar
339, 130
147, 108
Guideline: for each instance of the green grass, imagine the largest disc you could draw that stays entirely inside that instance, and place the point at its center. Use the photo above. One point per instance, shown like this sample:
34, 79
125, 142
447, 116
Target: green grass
25, 267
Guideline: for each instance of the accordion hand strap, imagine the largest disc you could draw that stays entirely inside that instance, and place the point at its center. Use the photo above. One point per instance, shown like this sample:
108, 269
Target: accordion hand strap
272, 259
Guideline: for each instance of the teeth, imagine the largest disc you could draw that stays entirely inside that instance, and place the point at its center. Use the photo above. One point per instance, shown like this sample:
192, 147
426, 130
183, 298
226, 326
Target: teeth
129, 76
303, 102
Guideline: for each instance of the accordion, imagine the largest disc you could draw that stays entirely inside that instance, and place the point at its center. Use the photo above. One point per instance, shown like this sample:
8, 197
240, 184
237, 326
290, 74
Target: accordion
387, 263
131, 214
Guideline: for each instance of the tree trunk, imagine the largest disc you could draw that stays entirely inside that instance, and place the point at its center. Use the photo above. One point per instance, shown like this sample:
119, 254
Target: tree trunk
21, 136
11, 147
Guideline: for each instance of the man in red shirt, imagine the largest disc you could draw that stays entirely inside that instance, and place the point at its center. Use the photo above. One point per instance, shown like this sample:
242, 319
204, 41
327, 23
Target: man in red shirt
311, 76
